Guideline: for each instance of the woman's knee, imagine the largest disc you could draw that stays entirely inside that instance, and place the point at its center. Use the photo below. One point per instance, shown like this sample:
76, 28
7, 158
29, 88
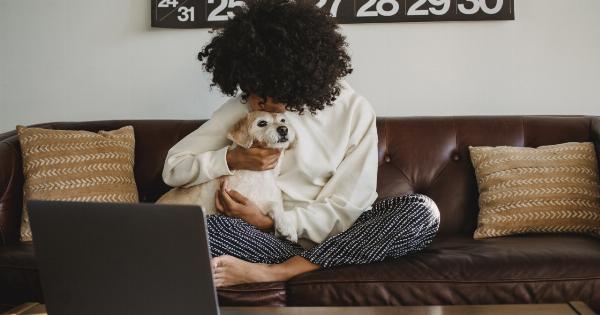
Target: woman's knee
425, 205
417, 208
429, 205
430, 220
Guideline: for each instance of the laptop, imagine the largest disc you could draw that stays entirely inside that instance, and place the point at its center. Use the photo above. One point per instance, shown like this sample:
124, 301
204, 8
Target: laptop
110, 258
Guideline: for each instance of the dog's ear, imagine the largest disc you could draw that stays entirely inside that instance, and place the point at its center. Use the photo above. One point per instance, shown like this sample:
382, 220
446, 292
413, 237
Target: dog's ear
239, 134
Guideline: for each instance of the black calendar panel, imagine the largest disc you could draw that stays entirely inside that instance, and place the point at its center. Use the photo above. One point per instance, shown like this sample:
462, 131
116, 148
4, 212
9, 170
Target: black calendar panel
213, 13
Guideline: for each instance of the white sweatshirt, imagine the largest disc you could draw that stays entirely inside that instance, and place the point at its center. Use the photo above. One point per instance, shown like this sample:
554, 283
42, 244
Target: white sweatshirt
327, 180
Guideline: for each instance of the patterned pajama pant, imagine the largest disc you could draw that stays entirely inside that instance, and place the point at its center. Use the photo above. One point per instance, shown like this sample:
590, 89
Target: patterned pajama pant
393, 227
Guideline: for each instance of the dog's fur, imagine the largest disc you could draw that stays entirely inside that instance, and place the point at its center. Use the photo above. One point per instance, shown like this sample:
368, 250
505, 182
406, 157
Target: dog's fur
260, 187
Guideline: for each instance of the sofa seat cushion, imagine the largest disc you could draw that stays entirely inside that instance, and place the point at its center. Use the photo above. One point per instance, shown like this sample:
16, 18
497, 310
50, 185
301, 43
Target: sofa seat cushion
20, 283
254, 294
518, 269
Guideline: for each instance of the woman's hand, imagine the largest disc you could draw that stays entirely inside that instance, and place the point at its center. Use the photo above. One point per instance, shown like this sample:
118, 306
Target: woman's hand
234, 204
253, 159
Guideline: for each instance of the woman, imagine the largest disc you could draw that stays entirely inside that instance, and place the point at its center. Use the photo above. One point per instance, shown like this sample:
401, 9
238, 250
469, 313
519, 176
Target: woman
288, 57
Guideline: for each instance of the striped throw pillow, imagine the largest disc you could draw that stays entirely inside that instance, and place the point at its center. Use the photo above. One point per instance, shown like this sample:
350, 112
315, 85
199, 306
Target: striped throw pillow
550, 189
72, 165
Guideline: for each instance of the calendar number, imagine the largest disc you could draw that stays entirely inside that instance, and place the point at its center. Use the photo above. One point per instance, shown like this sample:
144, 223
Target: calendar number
382, 8
334, 6
415, 9
219, 13
475, 6
186, 14
438, 7
487, 10
168, 3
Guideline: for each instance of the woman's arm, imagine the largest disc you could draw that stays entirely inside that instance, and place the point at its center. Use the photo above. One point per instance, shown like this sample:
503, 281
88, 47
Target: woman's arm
348, 193
202, 155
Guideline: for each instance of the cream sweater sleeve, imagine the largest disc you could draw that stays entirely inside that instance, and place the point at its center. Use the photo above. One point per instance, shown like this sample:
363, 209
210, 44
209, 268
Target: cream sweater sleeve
349, 192
201, 155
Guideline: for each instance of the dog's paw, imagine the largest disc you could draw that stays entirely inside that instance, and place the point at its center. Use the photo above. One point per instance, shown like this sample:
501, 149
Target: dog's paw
283, 225
288, 232
285, 228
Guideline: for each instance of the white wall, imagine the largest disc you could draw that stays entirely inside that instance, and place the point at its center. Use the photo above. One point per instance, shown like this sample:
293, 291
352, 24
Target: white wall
90, 60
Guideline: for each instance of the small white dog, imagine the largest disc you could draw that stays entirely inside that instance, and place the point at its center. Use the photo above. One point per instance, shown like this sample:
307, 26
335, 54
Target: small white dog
258, 129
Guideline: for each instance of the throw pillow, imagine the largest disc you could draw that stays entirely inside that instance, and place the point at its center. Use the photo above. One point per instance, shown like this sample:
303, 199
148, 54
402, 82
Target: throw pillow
550, 189
72, 165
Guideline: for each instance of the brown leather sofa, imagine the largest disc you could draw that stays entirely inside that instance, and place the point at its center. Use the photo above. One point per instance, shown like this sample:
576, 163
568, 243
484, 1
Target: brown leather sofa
426, 155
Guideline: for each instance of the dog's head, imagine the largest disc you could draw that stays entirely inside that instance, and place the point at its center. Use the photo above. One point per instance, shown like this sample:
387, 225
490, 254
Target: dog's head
263, 129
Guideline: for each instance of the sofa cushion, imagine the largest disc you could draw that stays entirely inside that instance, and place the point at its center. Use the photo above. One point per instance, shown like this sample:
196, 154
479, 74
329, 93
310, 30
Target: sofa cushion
549, 189
519, 269
77, 166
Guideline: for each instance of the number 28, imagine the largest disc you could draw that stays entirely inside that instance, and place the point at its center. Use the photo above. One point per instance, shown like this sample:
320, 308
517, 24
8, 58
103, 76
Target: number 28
393, 8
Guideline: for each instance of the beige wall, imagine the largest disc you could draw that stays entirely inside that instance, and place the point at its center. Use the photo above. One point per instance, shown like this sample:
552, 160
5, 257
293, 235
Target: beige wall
89, 60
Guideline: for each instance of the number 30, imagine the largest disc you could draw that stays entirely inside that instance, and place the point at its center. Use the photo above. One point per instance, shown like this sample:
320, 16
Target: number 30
480, 4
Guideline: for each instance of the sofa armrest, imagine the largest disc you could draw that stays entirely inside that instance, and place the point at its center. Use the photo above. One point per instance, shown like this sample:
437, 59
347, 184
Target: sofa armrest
595, 134
11, 188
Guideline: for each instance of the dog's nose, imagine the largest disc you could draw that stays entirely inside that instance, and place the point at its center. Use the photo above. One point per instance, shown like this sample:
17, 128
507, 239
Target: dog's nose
282, 130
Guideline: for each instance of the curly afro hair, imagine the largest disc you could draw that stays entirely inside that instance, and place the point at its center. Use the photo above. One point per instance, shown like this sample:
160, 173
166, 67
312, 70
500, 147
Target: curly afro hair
288, 50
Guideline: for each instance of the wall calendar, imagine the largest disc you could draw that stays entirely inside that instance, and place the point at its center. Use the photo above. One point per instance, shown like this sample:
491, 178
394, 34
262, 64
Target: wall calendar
213, 13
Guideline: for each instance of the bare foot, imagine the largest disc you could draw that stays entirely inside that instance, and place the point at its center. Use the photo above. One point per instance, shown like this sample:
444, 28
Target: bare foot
229, 270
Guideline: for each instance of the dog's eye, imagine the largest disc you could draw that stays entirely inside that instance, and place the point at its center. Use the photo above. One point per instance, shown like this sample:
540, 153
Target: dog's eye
262, 123
283, 120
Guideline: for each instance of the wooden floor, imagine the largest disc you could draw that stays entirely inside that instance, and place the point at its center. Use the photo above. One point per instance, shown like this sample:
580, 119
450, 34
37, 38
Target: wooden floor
572, 308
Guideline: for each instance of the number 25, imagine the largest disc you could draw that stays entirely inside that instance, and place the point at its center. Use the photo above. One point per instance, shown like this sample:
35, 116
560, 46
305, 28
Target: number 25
215, 14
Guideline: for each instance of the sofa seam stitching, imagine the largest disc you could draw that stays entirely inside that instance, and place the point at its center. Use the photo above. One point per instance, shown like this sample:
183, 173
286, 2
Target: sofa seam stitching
387, 147
437, 176
452, 281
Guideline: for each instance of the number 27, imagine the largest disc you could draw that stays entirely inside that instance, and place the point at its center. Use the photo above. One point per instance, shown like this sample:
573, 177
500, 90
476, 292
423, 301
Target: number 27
334, 6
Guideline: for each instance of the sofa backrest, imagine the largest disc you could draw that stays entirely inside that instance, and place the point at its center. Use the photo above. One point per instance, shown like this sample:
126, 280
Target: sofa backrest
426, 155
430, 155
